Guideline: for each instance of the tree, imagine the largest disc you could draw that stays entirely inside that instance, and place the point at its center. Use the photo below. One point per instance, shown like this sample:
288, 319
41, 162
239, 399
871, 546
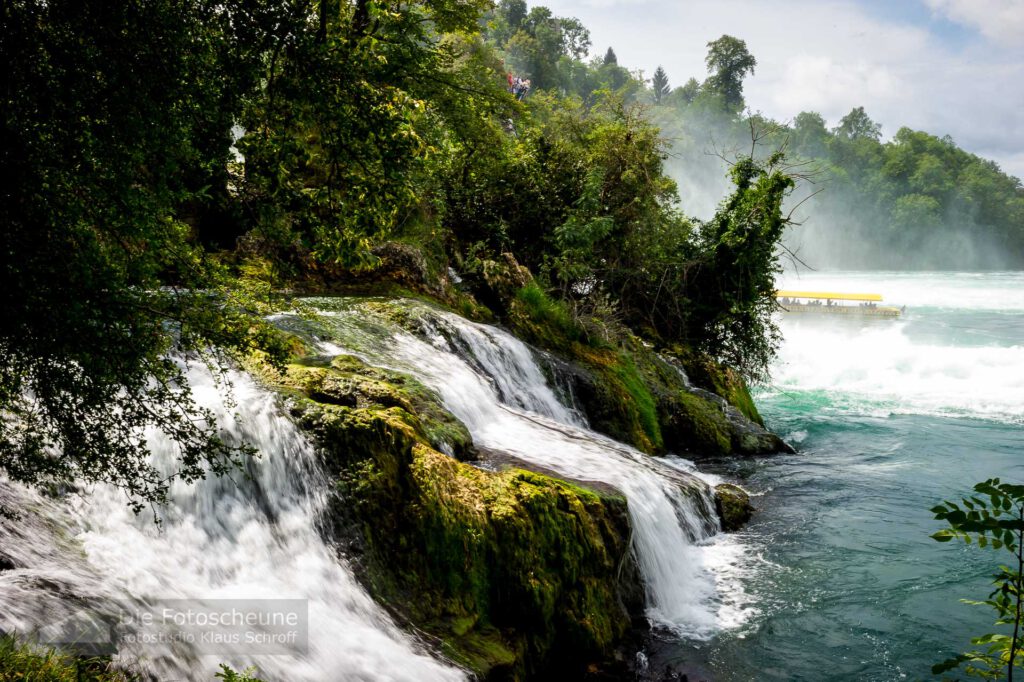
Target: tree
731, 285
575, 37
728, 61
659, 83
914, 211
336, 135
993, 517
810, 136
514, 13
688, 92
857, 125
610, 58
117, 127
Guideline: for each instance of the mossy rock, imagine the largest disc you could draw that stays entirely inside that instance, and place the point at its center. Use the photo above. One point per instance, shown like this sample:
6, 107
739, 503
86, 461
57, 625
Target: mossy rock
733, 505
516, 573
705, 373
635, 395
699, 426
348, 382
616, 398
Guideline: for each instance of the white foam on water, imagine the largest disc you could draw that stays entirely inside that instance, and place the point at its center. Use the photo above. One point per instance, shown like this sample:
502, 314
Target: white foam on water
991, 291
243, 538
879, 369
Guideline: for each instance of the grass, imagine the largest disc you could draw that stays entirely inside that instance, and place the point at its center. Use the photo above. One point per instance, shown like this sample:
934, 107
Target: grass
25, 663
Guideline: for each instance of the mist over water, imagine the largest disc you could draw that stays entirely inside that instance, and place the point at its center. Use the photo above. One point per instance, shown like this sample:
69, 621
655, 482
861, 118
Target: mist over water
839, 228
889, 418
957, 350
832, 234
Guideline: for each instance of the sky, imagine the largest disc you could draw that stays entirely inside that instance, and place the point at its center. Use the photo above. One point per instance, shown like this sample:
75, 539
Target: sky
948, 67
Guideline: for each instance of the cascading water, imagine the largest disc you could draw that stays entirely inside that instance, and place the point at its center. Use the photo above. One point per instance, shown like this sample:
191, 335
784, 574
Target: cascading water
491, 381
251, 536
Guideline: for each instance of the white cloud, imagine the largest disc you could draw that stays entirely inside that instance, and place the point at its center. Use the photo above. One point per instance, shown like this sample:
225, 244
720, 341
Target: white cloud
1000, 20
823, 84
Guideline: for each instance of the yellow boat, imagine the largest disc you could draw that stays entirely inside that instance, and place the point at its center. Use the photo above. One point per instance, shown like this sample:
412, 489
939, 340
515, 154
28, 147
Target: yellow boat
835, 303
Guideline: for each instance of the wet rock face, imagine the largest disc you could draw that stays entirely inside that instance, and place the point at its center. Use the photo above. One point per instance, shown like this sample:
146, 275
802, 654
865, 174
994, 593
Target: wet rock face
516, 573
733, 506
745, 436
690, 419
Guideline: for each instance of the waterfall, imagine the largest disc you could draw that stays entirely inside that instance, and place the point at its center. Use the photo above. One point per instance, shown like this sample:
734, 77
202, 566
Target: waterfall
251, 536
491, 381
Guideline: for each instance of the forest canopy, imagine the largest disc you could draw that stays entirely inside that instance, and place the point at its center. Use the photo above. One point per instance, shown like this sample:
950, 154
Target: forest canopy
172, 165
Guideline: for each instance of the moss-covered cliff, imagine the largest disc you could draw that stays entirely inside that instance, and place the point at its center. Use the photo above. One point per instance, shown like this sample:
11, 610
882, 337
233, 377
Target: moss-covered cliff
515, 573
658, 400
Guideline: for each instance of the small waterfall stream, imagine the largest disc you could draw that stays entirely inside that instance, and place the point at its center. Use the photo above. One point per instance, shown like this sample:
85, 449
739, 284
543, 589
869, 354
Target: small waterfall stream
252, 536
492, 382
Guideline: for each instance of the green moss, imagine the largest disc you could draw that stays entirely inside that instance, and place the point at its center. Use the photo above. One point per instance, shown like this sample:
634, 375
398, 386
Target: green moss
515, 572
634, 414
347, 381
484, 651
733, 505
548, 321
630, 393
699, 426
641, 397
528, 560
738, 395
725, 381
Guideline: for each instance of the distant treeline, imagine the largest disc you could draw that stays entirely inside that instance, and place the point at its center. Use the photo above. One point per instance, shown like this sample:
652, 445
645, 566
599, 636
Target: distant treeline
916, 200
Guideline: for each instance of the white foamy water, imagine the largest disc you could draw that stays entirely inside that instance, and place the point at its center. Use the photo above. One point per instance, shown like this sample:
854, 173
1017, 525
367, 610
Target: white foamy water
491, 381
249, 537
957, 351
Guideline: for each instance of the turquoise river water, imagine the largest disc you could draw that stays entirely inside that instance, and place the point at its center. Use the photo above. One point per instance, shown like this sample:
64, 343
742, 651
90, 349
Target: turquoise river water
841, 580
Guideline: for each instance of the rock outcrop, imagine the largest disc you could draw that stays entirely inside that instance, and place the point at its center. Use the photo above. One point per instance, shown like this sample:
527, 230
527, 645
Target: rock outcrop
734, 508
514, 572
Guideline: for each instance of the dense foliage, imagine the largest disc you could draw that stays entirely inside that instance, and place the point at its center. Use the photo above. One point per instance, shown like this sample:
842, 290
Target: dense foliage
116, 126
173, 163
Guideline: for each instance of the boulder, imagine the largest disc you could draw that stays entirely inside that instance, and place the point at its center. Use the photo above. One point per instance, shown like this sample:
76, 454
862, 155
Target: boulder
733, 505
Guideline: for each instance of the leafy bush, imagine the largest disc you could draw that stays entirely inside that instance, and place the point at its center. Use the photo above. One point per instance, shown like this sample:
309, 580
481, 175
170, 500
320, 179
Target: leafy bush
993, 518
